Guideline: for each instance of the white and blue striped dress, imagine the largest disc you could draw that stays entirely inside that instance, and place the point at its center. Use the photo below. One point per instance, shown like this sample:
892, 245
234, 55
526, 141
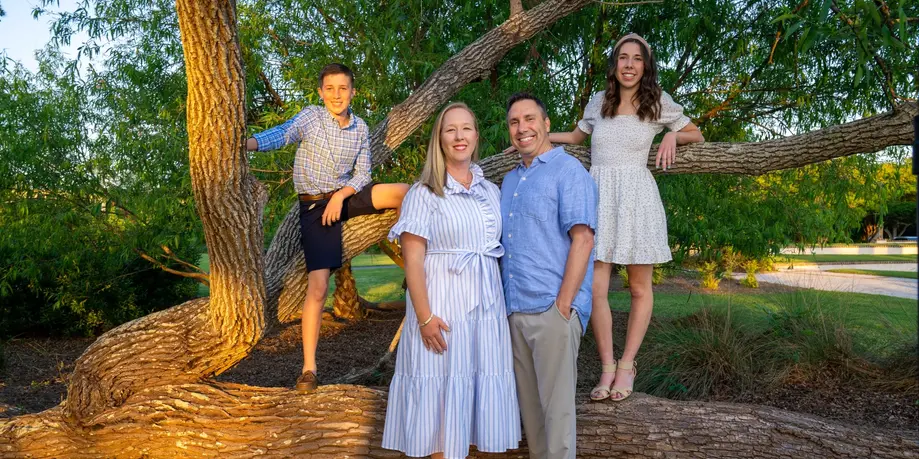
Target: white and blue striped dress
467, 395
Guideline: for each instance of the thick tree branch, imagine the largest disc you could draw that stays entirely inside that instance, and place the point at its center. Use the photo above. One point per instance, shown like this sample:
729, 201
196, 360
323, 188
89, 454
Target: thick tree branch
474, 61
863, 136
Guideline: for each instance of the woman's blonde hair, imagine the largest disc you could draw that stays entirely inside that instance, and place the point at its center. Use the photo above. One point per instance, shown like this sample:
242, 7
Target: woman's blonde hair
434, 174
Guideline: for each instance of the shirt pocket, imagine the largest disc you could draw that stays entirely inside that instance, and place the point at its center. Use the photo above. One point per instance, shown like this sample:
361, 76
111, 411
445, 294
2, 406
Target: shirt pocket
538, 206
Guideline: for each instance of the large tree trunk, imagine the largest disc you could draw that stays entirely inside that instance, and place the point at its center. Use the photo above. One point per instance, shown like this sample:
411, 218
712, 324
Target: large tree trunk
200, 338
231, 420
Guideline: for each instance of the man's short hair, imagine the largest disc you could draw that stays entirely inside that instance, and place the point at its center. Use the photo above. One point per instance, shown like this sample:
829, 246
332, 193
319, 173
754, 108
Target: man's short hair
523, 95
335, 69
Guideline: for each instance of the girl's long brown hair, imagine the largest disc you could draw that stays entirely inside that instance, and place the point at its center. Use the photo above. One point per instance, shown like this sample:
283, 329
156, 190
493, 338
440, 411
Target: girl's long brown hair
649, 90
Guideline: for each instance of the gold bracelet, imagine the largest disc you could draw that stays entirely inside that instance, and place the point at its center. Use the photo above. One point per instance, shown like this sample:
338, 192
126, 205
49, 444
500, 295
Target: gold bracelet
426, 321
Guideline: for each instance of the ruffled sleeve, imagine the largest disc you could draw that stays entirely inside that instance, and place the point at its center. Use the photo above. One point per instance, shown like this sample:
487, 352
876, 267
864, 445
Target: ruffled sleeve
592, 113
672, 116
417, 210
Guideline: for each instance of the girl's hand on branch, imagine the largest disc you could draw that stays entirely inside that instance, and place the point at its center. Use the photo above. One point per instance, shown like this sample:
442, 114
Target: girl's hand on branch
666, 154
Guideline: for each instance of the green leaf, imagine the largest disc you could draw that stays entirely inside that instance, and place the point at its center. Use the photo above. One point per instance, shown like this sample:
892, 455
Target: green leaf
811, 38
825, 9
794, 28
859, 74
904, 37
784, 17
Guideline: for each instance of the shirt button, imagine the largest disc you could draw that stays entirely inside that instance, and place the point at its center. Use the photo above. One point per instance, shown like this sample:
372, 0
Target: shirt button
509, 235
510, 256
524, 179
511, 276
515, 195
510, 214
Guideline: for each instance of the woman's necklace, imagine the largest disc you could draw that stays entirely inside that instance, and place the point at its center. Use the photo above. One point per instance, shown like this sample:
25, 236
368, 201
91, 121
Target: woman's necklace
464, 183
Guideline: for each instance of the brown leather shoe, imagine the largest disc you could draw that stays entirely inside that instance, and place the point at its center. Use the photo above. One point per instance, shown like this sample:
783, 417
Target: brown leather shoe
307, 382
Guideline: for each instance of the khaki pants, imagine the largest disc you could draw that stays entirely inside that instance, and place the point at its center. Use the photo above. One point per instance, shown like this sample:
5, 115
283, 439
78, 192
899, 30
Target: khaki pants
545, 361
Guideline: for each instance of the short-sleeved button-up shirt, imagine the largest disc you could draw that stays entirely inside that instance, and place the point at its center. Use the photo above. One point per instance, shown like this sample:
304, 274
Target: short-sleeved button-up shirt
329, 156
539, 205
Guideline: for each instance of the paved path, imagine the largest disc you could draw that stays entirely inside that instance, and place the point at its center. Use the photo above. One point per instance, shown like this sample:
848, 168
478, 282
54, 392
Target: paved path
817, 277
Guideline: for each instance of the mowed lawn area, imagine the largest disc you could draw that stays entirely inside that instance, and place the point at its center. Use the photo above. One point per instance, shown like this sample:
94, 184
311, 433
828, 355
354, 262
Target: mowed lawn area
878, 319
817, 258
378, 278
872, 272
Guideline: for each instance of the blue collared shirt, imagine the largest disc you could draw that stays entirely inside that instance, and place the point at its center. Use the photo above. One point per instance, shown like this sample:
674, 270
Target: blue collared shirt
329, 156
539, 205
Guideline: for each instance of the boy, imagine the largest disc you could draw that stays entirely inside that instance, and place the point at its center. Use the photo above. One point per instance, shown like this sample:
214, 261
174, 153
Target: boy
332, 178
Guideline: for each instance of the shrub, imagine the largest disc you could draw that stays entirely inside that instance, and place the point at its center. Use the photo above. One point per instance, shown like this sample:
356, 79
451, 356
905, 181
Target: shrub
713, 353
706, 353
750, 281
730, 259
710, 279
657, 276
83, 293
624, 275
766, 264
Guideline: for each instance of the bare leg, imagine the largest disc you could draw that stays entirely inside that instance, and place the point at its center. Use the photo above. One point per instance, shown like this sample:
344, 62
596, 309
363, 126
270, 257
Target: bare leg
639, 318
437, 456
316, 291
388, 195
602, 322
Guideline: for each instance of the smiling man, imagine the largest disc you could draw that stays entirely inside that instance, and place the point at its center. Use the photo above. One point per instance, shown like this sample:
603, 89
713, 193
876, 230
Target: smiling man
549, 210
332, 179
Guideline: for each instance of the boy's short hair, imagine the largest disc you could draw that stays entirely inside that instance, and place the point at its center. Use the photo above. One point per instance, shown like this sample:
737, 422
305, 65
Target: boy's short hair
523, 95
335, 69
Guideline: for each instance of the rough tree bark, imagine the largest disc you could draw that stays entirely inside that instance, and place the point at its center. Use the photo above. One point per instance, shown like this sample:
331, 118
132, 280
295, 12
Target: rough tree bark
863, 136
202, 337
230, 420
347, 303
141, 390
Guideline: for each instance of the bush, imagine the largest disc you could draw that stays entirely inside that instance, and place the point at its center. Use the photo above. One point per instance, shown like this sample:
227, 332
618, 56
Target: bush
730, 259
624, 275
750, 281
766, 264
707, 353
714, 354
91, 300
657, 276
710, 279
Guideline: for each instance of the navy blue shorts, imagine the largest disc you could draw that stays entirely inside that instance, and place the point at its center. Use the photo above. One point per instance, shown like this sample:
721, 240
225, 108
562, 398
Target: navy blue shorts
322, 246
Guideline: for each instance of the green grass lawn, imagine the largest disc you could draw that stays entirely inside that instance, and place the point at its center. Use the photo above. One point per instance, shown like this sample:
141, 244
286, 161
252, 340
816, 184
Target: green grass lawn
878, 319
366, 278
844, 258
369, 259
871, 272
377, 284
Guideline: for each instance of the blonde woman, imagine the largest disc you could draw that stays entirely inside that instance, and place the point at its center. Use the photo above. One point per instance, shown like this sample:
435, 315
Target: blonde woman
454, 381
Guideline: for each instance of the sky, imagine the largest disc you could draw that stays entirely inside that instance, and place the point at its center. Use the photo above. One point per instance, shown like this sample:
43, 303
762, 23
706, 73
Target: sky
21, 35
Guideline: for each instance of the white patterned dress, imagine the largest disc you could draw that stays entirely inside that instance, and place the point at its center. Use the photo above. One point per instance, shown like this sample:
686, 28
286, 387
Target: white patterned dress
631, 224
467, 395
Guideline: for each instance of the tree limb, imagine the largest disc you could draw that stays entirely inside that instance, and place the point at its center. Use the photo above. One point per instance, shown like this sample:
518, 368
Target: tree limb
200, 277
756, 158
474, 61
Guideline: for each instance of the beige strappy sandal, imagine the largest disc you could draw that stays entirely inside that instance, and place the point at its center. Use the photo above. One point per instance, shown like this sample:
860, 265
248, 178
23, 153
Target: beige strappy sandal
624, 392
602, 391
